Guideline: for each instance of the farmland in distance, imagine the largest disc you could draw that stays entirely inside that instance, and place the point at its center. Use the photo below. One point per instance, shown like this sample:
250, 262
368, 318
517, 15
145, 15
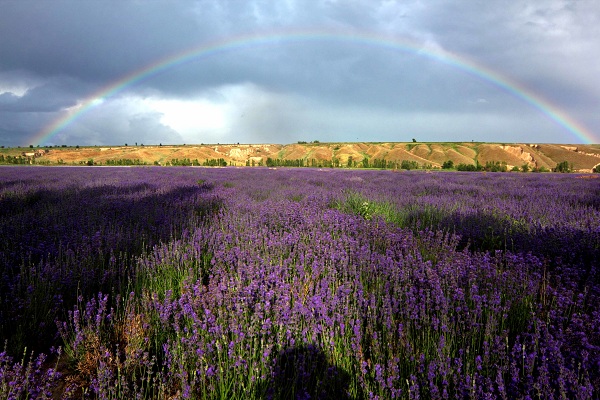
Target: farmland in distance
531, 157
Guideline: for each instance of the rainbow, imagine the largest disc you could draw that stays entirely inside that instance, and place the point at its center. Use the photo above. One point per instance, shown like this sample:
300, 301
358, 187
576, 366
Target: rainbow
264, 39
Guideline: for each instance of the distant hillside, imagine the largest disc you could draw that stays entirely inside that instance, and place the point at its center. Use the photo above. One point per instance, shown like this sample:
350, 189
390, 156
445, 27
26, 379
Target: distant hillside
582, 158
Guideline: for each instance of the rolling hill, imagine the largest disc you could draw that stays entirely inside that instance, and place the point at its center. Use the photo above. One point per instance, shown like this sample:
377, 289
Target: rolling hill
582, 158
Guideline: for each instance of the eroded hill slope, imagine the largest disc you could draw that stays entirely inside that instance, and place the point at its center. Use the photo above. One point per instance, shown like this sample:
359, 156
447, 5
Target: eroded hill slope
583, 158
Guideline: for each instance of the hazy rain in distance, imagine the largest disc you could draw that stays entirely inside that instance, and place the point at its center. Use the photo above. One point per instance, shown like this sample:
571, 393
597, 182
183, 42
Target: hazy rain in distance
110, 73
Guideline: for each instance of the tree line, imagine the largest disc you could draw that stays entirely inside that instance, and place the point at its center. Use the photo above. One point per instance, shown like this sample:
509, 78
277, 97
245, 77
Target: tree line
490, 166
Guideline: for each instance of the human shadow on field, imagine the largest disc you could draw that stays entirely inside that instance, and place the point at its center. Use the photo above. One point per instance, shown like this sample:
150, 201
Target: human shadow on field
303, 372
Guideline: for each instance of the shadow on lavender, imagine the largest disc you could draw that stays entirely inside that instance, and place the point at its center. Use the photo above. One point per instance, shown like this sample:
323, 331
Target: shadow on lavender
303, 372
556, 244
59, 242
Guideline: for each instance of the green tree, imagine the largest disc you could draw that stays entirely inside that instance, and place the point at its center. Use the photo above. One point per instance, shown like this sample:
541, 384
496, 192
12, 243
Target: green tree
563, 166
448, 164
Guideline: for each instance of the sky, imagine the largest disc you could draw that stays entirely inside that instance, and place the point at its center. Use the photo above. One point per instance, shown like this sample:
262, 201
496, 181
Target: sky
258, 71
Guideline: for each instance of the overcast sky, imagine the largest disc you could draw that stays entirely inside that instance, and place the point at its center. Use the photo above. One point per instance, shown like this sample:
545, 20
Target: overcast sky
368, 71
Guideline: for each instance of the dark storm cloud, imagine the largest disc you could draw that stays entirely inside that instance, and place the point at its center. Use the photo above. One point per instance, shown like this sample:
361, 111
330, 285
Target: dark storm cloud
54, 55
54, 95
92, 40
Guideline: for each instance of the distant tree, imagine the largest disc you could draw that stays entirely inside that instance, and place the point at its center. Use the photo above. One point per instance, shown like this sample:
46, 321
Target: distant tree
563, 166
466, 167
596, 169
414, 140
525, 167
405, 164
495, 166
31, 146
448, 164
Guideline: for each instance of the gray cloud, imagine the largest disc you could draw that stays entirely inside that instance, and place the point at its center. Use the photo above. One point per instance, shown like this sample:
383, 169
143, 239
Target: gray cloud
54, 55
116, 123
53, 95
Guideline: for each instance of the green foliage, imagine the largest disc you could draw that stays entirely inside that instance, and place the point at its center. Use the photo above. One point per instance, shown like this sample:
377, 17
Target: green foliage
17, 160
596, 169
125, 161
408, 165
564, 167
215, 162
184, 162
278, 162
448, 164
495, 166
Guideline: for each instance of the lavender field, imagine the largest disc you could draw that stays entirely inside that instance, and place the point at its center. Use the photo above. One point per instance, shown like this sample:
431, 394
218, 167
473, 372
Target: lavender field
241, 283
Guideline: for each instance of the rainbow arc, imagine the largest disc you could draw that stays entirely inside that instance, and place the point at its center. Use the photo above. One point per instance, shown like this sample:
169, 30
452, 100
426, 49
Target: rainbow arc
232, 44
